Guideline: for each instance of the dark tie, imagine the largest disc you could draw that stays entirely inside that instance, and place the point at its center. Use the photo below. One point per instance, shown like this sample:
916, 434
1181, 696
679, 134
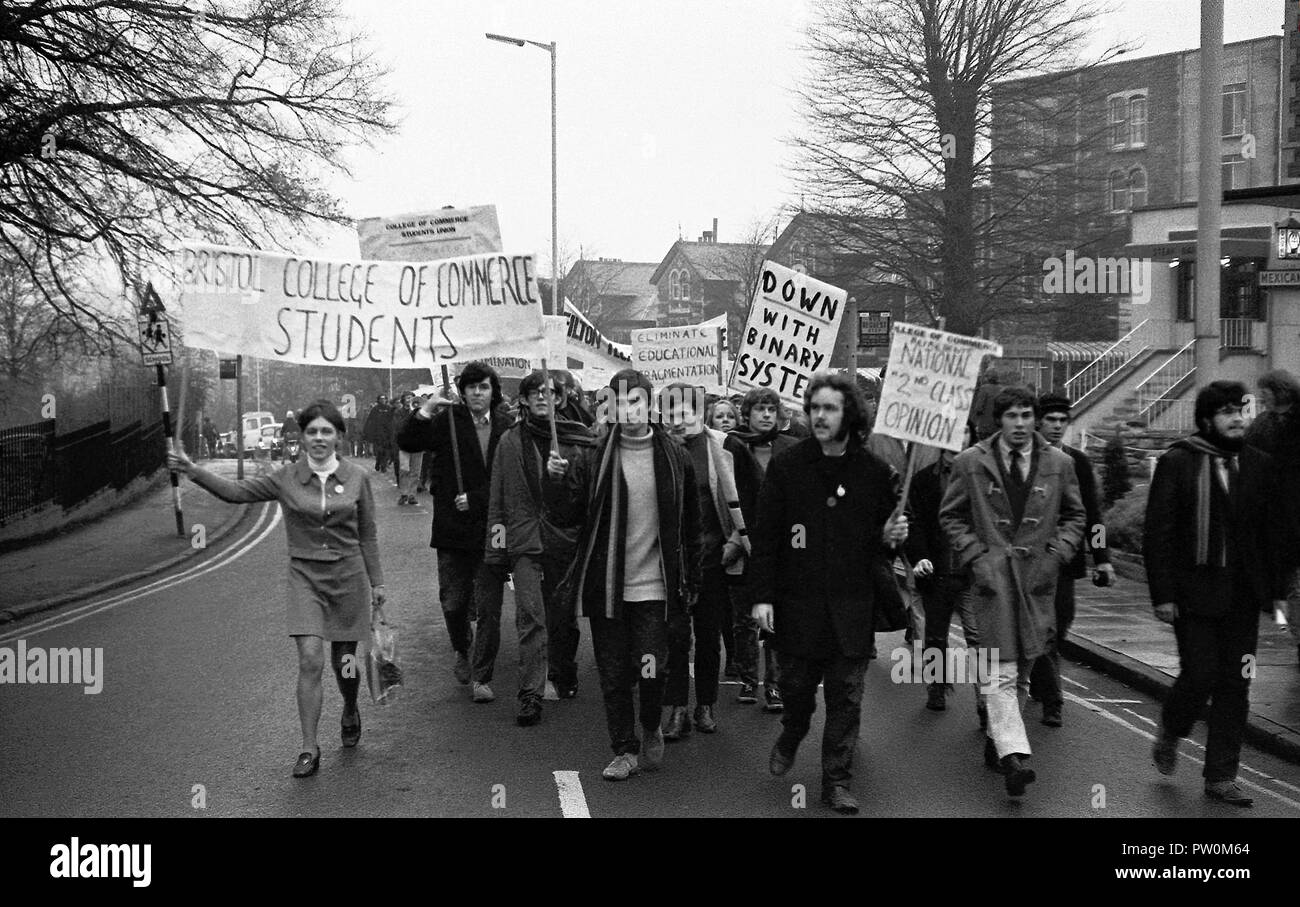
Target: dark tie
1017, 474
1234, 479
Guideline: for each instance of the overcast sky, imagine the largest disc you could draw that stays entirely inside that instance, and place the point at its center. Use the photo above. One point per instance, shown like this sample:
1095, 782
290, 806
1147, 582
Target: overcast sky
671, 112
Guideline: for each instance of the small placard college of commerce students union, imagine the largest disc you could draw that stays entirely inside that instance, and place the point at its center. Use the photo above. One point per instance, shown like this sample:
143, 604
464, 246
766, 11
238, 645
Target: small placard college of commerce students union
426, 235
930, 384
359, 313
791, 332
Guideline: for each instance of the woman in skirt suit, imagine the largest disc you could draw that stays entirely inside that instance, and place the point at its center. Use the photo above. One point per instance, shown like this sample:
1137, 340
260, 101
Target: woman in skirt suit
335, 580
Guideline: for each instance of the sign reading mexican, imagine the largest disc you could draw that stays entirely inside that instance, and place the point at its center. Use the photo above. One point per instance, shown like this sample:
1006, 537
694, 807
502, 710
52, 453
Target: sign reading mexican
930, 384
359, 313
793, 323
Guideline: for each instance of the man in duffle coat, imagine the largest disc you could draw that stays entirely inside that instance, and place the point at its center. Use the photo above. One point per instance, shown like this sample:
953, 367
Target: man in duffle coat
1015, 517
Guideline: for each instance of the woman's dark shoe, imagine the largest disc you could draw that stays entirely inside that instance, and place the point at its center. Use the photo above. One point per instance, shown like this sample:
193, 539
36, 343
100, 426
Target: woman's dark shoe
307, 764
352, 728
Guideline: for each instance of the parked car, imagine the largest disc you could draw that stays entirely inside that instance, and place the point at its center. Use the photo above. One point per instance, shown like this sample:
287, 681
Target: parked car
271, 443
252, 425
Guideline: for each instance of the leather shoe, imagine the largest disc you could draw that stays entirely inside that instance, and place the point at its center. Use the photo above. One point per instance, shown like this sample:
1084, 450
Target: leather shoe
351, 729
1165, 753
1052, 715
1017, 775
679, 724
461, 669
1227, 792
991, 755
748, 694
778, 763
934, 698
307, 764
840, 800
530, 712
704, 720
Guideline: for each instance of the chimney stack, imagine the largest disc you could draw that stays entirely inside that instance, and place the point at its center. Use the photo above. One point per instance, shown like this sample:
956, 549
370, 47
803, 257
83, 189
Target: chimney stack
715, 229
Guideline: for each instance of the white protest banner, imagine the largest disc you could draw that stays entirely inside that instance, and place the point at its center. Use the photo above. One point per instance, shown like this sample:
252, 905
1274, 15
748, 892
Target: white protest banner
599, 355
691, 353
359, 313
929, 385
793, 323
426, 235
557, 342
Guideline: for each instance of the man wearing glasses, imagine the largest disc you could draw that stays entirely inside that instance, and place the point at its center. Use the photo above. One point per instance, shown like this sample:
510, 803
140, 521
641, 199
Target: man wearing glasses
1212, 565
526, 537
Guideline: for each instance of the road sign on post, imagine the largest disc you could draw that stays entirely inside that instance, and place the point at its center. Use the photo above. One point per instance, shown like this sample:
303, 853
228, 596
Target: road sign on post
154, 330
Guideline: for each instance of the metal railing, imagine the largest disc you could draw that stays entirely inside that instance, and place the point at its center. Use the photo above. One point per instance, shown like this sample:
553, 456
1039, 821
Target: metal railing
1116, 356
1240, 334
39, 468
1173, 415
1154, 392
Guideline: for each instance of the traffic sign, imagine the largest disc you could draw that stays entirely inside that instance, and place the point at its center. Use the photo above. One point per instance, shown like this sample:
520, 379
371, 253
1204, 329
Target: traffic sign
151, 302
155, 338
229, 368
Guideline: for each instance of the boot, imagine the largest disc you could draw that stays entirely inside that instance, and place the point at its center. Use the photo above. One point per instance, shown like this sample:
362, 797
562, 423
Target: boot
935, 698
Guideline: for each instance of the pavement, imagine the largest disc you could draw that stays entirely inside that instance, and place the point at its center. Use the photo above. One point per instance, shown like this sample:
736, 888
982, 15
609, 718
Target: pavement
121, 547
1115, 631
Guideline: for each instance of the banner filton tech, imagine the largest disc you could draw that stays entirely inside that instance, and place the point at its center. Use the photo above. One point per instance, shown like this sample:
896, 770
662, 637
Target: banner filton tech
359, 313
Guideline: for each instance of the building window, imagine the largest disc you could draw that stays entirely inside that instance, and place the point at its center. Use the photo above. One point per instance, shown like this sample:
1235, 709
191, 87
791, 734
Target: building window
1185, 282
674, 287
1240, 296
1137, 187
1234, 109
1234, 171
1118, 124
686, 284
1137, 121
1118, 192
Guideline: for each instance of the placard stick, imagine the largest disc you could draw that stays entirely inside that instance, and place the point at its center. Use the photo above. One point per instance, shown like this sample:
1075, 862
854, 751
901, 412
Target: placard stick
907, 479
455, 448
170, 434
546, 383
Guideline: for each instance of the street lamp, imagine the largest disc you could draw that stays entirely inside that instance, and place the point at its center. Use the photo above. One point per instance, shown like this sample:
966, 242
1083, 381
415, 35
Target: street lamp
556, 294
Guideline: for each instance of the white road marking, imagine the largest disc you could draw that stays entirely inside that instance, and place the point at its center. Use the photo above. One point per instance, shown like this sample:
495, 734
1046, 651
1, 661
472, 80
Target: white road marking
1111, 716
573, 803
236, 551
1141, 717
1118, 701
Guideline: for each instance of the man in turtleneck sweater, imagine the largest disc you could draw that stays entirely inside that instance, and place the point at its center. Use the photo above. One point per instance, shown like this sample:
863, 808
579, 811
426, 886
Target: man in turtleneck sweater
634, 498
727, 478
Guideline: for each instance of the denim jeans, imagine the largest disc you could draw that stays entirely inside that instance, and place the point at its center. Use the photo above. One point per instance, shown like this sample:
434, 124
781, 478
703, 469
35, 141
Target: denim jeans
459, 589
707, 622
842, 680
631, 652
530, 623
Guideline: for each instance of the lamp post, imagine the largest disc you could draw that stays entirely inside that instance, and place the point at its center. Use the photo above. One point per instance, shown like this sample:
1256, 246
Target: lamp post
557, 295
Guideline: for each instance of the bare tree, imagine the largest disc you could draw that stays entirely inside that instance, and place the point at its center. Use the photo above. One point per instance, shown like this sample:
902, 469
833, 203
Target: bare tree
898, 156
128, 124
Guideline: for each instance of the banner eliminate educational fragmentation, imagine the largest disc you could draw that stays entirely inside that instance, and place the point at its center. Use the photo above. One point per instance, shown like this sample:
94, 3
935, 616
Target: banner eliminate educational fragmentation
930, 385
426, 235
793, 323
690, 353
359, 313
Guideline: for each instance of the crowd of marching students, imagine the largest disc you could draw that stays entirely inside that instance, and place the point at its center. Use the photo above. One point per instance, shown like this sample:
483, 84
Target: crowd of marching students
768, 547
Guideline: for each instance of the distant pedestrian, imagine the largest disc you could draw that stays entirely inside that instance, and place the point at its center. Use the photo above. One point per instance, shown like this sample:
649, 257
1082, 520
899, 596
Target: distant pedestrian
336, 584
1013, 514
637, 568
378, 432
211, 438
823, 526
1214, 560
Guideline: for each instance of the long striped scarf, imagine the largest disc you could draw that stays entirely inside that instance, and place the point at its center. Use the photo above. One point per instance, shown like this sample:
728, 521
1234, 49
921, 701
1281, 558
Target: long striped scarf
722, 483
1206, 452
